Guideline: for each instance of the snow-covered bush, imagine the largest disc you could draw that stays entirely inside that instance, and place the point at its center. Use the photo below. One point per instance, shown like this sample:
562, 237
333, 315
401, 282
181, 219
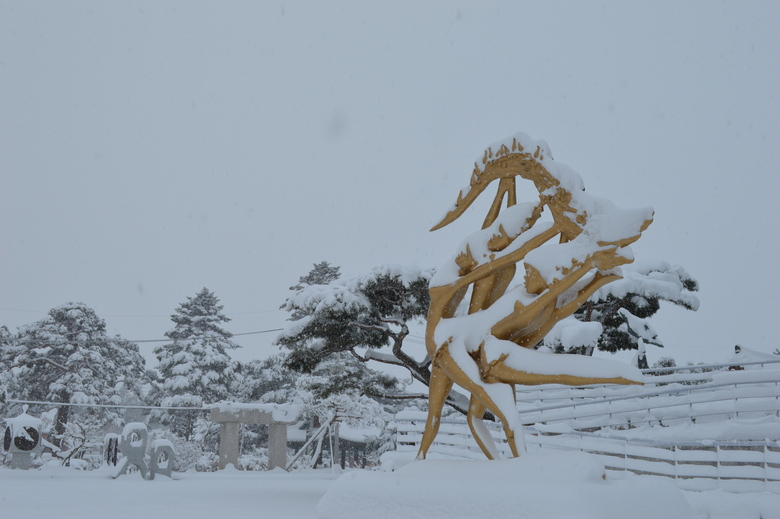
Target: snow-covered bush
257, 460
208, 462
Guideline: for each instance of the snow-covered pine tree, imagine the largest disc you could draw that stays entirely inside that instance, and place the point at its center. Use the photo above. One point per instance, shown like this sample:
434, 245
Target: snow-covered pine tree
5, 363
664, 362
341, 373
358, 316
260, 380
623, 307
195, 366
68, 357
323, 273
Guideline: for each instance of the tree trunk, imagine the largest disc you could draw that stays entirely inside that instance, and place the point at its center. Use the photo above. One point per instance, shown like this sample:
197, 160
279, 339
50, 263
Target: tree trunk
458, 401
60, 423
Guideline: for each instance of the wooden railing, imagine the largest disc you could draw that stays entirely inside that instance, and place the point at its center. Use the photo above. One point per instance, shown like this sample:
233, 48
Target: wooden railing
591, 419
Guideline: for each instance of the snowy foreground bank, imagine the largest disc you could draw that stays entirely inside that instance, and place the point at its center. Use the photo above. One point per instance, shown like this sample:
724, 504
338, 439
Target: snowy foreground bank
67, 493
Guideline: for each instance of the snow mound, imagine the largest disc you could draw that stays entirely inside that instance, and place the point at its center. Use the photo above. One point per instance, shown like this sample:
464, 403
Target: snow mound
550, 485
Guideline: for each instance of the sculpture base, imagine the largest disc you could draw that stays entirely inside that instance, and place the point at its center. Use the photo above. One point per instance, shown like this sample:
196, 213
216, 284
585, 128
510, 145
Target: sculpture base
562, 485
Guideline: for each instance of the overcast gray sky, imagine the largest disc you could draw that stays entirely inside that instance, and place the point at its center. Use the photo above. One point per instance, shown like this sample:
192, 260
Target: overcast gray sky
149, 149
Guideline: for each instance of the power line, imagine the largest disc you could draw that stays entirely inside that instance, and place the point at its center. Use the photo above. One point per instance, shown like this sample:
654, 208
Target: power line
69, 404
137, 315
232, 335
44, 341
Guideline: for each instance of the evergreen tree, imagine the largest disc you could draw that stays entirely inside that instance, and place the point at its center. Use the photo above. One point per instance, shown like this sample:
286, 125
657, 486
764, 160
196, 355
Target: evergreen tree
359, 317
261, 380
5, 363
323, 273
341, 373
622, 307
68, 357
195, 367
664, 362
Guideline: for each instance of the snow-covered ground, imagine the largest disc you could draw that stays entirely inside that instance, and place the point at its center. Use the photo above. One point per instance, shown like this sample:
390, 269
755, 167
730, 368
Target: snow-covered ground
55, 491
67, 493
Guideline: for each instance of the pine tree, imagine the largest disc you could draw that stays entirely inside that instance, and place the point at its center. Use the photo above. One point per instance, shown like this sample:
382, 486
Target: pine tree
664, 362
195, 367
5, 363
68, 357
623, 307
260, 380
368, 313
322, 274
341, 373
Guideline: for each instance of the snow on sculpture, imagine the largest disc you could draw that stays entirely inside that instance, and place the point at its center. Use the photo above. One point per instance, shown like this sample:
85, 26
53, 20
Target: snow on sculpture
486, 345
132, 444
22, 439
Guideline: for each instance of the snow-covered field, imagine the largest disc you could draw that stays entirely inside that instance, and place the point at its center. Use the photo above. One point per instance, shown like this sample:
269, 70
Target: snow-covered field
460, 488
67, 493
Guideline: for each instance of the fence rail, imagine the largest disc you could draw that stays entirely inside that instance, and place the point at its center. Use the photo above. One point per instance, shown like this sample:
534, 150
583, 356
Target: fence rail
730, 395
731, 465
736, 466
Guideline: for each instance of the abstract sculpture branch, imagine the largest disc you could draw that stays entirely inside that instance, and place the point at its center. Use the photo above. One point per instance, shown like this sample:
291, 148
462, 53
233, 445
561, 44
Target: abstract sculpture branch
486, 345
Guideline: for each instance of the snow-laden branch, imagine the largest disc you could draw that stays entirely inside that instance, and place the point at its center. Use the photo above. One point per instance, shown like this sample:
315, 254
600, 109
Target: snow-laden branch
383, 357
64, 368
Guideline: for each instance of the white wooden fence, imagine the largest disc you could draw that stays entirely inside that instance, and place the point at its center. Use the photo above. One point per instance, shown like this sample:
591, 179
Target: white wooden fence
732, 465
736, 466
722, 399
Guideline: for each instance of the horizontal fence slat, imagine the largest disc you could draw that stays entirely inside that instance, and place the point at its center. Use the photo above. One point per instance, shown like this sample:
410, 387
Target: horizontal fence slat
679, 399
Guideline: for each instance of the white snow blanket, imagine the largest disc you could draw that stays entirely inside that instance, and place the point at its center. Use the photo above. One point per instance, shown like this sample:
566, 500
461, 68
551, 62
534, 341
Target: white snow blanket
550, 486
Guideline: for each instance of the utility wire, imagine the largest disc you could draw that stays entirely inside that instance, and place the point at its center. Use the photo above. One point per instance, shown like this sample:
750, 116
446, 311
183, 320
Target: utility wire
69, 404
232, 335
136, 315
45, 341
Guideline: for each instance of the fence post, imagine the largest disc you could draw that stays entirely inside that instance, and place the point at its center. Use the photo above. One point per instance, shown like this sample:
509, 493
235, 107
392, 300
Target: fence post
766, 468
717, 464
625, 455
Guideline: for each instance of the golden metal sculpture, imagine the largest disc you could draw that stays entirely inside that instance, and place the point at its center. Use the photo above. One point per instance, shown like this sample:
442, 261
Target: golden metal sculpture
487, 347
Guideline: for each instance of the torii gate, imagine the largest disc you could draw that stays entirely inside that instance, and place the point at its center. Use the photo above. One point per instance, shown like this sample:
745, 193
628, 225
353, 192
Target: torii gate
277, 416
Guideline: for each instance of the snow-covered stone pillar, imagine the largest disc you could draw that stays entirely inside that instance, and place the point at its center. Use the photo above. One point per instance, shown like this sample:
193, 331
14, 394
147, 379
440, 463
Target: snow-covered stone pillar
277, 416
277, 445
228, 443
